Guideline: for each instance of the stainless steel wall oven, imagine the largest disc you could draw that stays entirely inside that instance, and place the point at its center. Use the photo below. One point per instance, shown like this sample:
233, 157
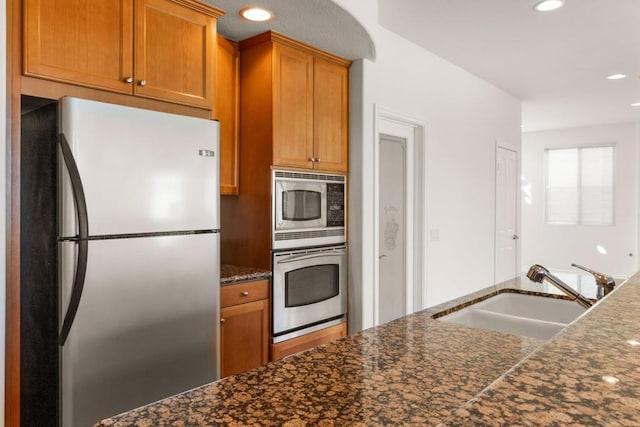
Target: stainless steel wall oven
309, 290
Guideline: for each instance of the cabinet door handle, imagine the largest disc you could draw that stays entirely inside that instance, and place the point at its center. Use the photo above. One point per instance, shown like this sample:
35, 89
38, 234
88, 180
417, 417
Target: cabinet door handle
142, 82
245, 294
128, 79
221, 320
312, 159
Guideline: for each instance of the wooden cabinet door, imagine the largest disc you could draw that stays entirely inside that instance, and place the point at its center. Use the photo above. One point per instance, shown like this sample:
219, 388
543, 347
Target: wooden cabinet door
85, 42
174, 53
244, 337
228, 112
330, 116
292, 107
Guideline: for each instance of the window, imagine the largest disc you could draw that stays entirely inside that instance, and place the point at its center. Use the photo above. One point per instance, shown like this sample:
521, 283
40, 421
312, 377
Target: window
579, 187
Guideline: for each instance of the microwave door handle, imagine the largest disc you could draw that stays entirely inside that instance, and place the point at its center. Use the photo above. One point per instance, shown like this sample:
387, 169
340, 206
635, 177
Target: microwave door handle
304, 257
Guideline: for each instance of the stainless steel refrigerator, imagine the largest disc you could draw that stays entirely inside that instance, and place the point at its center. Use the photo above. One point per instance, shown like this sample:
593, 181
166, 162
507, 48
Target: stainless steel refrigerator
138, 205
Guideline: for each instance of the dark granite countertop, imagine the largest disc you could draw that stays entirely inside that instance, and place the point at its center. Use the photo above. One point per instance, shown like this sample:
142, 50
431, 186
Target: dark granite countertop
587, 375
421, 371
230, 274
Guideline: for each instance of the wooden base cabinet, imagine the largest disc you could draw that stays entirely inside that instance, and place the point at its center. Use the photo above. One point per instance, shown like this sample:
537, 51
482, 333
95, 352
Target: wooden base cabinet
158, 49
305, 342
244, 326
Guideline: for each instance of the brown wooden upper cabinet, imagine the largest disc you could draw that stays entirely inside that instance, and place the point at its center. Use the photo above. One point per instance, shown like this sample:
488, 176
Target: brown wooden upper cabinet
308, 111
227, 107
330, 115
159, 49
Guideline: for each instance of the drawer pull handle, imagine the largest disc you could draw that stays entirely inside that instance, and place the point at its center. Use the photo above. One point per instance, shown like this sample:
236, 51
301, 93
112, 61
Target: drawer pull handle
245, 294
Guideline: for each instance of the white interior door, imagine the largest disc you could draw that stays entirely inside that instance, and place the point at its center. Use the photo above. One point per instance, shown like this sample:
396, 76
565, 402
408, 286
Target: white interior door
392, 229
506, 214
399, 242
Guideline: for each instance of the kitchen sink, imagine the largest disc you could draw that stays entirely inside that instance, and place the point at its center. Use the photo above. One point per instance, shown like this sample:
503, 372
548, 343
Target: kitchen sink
520, 314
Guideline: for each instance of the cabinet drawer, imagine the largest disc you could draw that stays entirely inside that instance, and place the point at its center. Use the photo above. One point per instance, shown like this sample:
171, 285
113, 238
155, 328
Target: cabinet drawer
244, 292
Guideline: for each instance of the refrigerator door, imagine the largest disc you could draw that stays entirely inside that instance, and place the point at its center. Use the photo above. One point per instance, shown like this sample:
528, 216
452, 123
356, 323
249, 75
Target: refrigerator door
146, 327
142, 171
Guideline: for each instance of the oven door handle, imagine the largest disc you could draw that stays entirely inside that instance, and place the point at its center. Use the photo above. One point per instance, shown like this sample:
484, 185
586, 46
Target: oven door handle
310, 256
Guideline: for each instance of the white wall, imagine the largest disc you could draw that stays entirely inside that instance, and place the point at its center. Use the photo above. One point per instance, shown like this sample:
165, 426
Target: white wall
465, 116
557, 246
3, 184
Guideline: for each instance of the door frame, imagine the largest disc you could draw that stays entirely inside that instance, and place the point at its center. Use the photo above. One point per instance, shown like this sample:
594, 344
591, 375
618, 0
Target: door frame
518, 200
413, 131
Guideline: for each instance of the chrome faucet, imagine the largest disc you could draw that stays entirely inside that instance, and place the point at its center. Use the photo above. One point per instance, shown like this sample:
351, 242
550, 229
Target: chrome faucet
605, 283
538, 273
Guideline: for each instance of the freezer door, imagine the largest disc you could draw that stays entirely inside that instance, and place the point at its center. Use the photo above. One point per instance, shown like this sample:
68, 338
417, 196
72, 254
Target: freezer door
142, 171
147, 324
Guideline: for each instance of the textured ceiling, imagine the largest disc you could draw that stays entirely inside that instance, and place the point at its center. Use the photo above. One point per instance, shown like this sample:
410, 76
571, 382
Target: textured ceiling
555, 63
320, 23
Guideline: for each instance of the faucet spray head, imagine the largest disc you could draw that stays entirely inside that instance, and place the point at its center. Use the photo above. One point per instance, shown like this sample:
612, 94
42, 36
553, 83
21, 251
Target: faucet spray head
537, 273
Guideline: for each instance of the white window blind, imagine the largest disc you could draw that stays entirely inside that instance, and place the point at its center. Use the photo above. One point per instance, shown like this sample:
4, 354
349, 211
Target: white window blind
579, 187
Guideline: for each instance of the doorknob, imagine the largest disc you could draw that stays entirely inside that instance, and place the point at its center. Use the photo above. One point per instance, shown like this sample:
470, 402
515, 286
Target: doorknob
516, 237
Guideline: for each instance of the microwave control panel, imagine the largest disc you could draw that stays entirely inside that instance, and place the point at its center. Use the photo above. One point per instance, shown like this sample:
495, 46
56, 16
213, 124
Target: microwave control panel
335, 205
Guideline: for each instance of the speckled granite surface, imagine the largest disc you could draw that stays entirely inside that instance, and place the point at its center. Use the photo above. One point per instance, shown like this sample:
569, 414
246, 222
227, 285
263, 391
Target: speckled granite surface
233, 273
421, 371
564, 382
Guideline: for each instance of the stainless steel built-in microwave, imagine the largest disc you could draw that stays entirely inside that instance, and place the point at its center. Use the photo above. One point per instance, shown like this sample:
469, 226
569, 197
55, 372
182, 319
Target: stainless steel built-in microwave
309, 209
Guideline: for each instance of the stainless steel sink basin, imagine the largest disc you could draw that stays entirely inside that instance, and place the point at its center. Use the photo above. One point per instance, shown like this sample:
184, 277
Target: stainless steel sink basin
520, 314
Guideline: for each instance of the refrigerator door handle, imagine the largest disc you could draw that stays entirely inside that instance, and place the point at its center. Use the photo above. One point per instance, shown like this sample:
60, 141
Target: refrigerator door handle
83, 238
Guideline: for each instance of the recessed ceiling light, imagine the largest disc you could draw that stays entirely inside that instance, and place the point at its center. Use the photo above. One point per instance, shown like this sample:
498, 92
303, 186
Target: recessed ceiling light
256, 14
617, 76
548, 5
636, 104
